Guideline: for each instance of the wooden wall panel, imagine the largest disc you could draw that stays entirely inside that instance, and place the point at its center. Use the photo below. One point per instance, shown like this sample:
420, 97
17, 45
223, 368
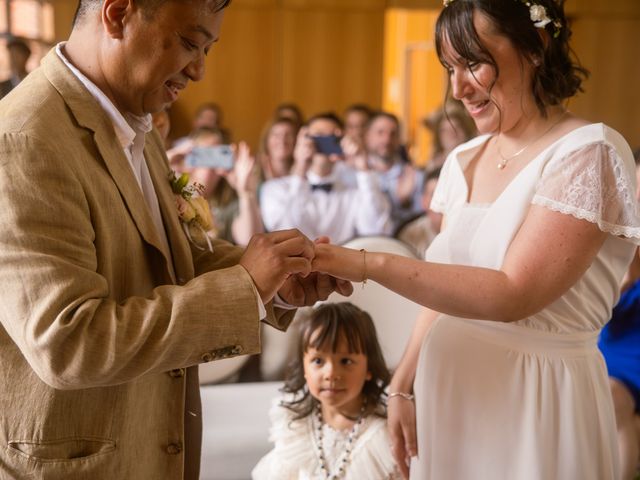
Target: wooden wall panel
325, 54
319, 54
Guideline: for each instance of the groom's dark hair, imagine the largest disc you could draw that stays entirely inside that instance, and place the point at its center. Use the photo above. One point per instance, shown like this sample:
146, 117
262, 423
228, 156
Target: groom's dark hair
85, 7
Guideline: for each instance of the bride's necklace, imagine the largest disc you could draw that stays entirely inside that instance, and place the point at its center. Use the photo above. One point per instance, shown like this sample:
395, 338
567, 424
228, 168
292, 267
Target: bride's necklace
346, 454
505, 160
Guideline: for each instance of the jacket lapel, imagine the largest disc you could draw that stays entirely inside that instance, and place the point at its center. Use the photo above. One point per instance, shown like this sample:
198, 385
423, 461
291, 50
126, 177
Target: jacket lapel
89, 114
180, 249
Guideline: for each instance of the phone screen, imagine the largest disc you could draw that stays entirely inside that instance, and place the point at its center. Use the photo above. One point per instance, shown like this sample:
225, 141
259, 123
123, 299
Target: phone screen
327, 144
219, 156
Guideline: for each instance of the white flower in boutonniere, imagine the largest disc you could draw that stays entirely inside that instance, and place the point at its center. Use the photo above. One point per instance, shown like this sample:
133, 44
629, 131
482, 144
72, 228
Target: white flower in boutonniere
193, 210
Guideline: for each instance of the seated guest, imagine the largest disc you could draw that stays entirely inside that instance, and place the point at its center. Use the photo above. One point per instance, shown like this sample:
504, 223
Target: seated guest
451, 126
162, 122
320, 433
276, 148
208, 115
231, 194
356, 118
19, 53
421, 230
290, 111
314, 198
399, 179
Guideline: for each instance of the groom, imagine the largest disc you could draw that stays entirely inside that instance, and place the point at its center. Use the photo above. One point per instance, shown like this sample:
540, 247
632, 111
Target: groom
105, 307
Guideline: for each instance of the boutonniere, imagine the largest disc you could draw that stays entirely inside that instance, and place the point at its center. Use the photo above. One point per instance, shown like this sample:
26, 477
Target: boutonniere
193, 210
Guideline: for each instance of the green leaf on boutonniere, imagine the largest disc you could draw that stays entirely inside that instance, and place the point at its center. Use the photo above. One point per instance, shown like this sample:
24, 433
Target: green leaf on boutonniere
178, 183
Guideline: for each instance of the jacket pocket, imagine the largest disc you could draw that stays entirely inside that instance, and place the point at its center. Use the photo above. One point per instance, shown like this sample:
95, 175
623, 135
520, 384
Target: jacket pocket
63, 450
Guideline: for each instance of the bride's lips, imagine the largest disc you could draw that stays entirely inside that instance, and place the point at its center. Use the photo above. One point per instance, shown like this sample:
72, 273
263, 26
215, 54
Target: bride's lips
476, 109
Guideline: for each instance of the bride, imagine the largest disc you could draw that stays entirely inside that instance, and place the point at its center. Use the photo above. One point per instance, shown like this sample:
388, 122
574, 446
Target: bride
540, 226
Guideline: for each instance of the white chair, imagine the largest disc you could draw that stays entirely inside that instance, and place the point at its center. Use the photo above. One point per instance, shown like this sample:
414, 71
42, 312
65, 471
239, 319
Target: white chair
235, 428
392, 314
220, 371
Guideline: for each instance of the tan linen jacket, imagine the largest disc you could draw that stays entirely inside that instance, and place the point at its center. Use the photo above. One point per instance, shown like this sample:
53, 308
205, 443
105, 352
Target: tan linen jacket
96, 333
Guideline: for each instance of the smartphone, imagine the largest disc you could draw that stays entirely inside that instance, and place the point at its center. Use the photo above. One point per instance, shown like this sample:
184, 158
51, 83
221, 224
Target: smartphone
219, 156
327, 144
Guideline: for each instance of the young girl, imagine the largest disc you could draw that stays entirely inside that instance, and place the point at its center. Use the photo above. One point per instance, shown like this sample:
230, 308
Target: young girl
331, 423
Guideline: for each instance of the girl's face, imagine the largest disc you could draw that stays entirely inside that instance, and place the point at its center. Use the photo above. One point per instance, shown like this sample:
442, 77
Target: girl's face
336, 379
495, 103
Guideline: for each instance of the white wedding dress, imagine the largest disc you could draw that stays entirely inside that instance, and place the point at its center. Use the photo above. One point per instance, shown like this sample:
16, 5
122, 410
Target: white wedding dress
528, 400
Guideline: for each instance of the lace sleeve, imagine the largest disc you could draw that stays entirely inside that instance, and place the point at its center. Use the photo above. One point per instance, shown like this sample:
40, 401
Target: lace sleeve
596, 184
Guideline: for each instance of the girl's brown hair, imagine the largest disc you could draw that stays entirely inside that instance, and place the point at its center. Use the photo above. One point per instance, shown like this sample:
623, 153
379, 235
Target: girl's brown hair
322, 330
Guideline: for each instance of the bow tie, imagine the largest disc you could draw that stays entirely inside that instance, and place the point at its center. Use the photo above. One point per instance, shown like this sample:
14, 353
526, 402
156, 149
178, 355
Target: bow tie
325, 187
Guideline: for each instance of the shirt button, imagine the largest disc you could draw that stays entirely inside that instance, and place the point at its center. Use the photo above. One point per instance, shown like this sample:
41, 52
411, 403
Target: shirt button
174, 448
177, 373
207, 357
181, 281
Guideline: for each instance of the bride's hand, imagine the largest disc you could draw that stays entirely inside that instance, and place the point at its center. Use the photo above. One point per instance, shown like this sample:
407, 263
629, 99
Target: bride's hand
401, 420
340, 262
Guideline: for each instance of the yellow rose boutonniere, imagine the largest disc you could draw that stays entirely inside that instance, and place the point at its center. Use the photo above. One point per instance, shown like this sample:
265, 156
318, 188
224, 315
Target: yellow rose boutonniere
193, 210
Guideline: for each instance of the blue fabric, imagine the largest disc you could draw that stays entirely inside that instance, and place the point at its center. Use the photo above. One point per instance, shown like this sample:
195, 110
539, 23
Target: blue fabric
620, 342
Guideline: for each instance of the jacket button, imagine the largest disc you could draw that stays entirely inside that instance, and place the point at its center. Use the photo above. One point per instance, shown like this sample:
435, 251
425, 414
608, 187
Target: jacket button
174, 448
207, 357
236, 350
177, 373
181, 281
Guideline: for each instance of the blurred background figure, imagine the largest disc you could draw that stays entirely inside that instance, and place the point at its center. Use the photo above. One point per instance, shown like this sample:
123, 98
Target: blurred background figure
208, 115
277, 144
420, 231
356, 118
290, 111
231, 194
162, 122
19, 53
450, 127
400, 180
316, 200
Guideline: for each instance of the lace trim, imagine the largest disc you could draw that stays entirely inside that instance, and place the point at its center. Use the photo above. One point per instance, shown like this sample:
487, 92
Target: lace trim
631, 233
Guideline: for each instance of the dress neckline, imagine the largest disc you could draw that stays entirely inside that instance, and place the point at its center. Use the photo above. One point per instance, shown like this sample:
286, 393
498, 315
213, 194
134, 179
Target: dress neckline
463, 157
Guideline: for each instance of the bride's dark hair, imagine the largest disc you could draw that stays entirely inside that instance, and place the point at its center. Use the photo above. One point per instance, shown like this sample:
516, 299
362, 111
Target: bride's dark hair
557, 76
322, 330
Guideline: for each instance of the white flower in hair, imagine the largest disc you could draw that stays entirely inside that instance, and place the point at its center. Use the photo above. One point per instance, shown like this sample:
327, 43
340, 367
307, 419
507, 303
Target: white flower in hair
539, 15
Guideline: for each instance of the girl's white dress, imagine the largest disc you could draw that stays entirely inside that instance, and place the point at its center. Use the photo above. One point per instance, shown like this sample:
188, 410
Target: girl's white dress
528, 400
295, 453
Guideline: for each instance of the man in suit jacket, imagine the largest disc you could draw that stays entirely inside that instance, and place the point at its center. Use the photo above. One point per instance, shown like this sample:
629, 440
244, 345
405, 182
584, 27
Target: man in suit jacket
106, 308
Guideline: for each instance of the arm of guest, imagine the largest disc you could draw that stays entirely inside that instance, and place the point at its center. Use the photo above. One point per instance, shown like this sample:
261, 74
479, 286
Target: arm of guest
373, 214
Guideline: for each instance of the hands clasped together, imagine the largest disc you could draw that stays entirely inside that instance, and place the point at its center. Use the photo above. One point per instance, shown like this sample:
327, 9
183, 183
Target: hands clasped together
282, 262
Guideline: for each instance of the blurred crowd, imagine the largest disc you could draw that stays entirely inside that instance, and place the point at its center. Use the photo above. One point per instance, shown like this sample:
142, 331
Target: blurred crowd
328, 175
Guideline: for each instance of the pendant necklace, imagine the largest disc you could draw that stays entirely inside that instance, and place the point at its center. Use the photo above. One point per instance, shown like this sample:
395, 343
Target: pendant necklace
346, 454
505, 160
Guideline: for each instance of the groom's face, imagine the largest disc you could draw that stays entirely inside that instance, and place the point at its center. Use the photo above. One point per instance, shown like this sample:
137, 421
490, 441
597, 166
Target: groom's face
160, 52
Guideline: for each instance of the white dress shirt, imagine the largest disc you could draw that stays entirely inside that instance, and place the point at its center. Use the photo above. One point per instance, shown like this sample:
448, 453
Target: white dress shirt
341, 214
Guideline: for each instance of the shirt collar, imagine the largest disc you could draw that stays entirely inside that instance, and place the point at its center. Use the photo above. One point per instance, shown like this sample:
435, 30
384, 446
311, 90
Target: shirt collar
317, 180
128, 126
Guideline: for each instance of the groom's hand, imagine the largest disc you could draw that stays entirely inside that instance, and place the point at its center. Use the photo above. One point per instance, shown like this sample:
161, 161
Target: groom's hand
305, 291
272, 258
302, 291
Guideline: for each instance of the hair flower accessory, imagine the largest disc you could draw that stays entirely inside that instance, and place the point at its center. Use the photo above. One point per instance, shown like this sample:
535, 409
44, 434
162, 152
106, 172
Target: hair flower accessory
537, 13
193, 210
539, 16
